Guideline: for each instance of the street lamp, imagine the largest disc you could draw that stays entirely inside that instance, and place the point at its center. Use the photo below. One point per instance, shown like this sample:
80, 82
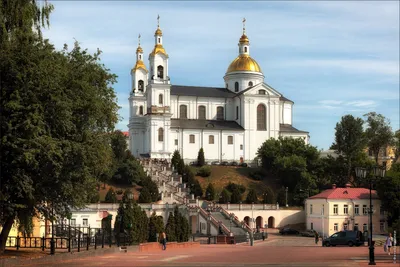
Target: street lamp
378, 173
265, 198
230, 222
52, 242
286, 189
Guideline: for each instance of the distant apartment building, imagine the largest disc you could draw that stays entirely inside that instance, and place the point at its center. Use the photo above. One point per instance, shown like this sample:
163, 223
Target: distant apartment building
339, 209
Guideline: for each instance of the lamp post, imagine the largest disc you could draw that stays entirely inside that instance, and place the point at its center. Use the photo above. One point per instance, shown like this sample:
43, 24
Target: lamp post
286, 189
265, 198
378, 173
230, 222
52, 242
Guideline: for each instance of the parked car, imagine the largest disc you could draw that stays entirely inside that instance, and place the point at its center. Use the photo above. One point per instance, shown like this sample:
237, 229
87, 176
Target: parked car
244, 164
345, 238
225, 163
234, 163
215, 163
288, 231
193, 163
308, 233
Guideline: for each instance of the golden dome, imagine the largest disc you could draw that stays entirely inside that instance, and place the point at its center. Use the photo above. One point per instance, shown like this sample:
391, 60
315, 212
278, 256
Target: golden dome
139, 50
244, 39
158, 32
244, 63
158, 48
139, 65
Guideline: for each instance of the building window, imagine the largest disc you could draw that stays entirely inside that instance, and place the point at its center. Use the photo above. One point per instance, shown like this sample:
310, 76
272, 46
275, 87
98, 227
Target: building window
335, 227
323, 209
220, 113
159, 40
176, 142
141, 85
365, 210
85, 222
241, 147
236, 87
357, 210
312, 226
245, 49
345, 226
202, 112
382, 227
230, 140
237, 112
310, 208
335, 209
191, 139
346, 209
250, 84
261, 92
365, 227
183, 112
160, 99
160, 134
261, 118
211, 139
73, 222
160, 72
141, 110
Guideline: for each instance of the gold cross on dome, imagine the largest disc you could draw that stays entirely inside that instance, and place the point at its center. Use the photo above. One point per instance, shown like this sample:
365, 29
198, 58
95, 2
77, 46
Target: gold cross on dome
244, 25
139, 38
158, 21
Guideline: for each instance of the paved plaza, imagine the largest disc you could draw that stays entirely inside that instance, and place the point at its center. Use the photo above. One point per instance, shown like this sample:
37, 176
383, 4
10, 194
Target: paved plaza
276, 251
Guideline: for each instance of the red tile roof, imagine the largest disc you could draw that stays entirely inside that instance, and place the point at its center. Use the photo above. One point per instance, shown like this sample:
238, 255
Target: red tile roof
126, 133
346, 193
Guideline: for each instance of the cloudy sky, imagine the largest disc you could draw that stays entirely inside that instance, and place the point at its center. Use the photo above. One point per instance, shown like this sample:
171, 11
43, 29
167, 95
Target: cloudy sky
331, 58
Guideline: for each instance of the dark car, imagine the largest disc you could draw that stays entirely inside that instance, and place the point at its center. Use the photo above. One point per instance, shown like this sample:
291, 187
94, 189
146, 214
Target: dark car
215, 163
244, 164
288, 231
225, 163
345, 238
234, 163
308, 233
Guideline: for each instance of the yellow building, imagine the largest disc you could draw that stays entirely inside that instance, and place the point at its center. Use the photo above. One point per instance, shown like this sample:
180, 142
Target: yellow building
386, 156
339, 209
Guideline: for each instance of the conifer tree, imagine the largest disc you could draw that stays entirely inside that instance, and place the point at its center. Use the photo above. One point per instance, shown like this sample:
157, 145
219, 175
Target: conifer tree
170, 228
200, 158
251, 197
210, 192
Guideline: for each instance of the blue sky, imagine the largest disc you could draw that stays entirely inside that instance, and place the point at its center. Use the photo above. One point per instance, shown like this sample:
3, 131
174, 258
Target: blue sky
331, 58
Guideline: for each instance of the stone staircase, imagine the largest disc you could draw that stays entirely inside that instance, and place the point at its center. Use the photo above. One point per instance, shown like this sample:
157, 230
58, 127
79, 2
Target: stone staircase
233, 227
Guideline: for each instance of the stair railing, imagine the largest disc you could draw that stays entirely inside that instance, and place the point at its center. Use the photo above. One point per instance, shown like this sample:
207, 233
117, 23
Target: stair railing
235, 219
214, 221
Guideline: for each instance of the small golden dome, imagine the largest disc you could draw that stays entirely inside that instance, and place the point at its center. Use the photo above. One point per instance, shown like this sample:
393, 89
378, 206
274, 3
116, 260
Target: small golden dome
139, 50
244, 63
158, 32
158, 48
244, 39
139, 65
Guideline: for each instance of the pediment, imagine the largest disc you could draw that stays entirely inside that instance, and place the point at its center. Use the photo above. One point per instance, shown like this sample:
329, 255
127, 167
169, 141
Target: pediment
260, 90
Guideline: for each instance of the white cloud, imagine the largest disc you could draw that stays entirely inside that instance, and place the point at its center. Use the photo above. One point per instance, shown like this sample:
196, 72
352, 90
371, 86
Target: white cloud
362, 103
330, 102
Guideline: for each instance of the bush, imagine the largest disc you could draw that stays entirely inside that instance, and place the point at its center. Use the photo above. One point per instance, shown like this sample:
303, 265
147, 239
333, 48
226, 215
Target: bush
257, 175
119, 192
204, 171
111, 197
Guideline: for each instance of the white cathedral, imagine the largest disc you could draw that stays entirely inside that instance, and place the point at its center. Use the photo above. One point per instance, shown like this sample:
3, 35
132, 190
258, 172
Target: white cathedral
230, 123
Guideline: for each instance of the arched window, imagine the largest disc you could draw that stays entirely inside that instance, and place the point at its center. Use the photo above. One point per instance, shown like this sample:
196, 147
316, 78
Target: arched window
191, 139
183, 112
141, 110
160, 99
220, 113
261, 118
236, 87
140, 57
237, 112
160, 72
250, 84
261, 92
160, 134
245, 49
202, 112
141, 85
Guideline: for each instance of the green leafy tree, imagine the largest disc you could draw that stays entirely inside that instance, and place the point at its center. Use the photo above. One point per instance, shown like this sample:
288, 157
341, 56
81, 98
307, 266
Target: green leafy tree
176, 158
236, 196
119, 145
378, 133
129, 172
156, 226
225, 196
151, 187
210, 192
200, 158
170, 228
145, 196
188, 174
281, 197
60, 109
349, 140
251, 197
111, 196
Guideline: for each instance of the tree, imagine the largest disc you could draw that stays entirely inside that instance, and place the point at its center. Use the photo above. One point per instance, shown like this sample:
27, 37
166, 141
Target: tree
151, 187
58, 110
111, 196
129, 172
236, 196
200, 158
180, 166
181, 226
349, 140
188, 174
176, 158
119, 145
225, 196
378, 133
210, 192
156, 226
145, 196
170, 228
396, 144
251, 197
196, 189
269, 196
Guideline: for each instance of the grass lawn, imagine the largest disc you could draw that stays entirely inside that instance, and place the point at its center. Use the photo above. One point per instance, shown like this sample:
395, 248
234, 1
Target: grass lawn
103, 191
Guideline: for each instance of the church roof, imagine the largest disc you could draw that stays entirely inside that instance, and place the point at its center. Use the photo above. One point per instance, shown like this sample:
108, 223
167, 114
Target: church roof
206, 124
289, 128
184, 90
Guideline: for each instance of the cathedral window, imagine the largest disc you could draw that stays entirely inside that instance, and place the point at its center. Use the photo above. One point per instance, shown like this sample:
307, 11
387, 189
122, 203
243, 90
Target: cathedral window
202, 112
160, 72
191, 139
261, 118
261, 92
160, 99
245, 49
140, 57
250, 84
141, 85
230, 140
236, 87
237, 112
141, 110
176, 142
183, 112
160, 134
159, 40
220, 113
241, 147
211, 139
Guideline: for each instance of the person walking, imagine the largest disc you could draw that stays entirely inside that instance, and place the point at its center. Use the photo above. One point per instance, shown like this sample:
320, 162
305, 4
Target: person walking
316, 237
389, 242
263, 235
164, 241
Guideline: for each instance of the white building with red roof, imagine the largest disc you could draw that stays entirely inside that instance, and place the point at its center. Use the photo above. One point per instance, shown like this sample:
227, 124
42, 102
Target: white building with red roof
339, 209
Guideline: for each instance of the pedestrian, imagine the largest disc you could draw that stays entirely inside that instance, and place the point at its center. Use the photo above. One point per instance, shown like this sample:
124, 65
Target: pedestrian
263, 235
164, 241
389, 242
316, 237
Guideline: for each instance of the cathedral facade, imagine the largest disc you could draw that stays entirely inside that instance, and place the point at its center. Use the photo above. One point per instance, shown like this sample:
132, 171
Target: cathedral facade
230, 123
